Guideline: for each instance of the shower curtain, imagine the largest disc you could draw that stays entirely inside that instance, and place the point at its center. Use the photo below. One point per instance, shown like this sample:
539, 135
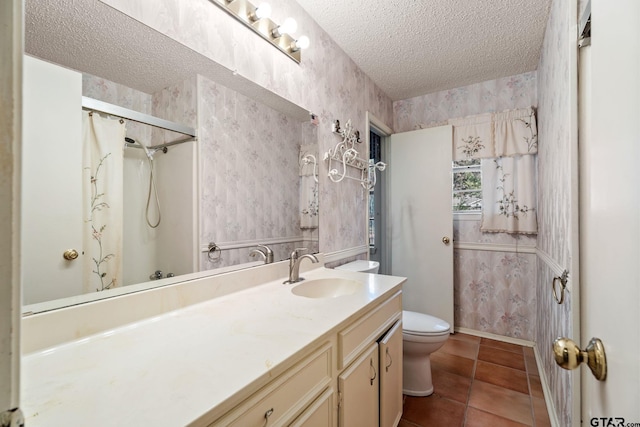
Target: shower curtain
103, 143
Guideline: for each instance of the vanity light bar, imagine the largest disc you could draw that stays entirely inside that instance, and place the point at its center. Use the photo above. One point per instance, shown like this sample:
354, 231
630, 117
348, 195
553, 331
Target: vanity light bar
255, 18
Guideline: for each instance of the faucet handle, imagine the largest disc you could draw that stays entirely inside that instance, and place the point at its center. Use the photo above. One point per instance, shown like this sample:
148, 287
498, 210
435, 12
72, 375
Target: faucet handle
300, 251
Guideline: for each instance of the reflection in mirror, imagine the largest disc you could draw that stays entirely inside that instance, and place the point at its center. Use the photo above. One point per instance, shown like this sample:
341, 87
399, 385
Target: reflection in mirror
243, 182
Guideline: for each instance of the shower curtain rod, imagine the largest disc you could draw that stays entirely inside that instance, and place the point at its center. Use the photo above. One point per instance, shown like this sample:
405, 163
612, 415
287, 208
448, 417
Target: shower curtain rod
125, 113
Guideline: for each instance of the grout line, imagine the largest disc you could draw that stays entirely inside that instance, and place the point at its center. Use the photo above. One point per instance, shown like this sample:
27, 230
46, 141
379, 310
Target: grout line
473, 376
526, 367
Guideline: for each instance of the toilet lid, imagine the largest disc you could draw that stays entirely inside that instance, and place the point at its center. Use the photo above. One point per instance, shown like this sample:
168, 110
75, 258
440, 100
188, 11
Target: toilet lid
423, 324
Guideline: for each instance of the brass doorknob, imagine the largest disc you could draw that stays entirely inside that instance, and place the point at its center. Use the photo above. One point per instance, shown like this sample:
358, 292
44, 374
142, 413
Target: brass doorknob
445, 240
569, 356
70, 254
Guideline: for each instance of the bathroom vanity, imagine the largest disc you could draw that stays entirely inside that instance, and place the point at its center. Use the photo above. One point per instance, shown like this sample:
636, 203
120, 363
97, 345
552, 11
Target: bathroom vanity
249, 350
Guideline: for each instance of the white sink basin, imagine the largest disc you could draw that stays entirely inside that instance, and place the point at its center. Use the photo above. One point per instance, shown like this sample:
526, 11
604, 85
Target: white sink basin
326, 288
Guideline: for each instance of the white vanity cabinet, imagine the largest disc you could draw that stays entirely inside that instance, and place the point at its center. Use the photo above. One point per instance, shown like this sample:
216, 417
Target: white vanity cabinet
370, 387
390, 357
353, 379
358, 391
290, 398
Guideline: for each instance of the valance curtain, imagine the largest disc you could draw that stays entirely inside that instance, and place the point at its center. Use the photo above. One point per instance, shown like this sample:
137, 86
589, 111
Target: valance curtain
103, 143
507, 143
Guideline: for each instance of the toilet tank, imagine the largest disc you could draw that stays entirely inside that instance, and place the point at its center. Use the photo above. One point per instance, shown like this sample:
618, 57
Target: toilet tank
361, 266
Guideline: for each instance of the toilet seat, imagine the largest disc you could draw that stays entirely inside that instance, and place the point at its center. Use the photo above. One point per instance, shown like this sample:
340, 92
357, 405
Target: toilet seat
419, 324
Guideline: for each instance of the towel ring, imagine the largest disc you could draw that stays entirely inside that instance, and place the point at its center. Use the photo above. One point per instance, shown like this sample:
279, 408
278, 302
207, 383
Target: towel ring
563, 286
213, 248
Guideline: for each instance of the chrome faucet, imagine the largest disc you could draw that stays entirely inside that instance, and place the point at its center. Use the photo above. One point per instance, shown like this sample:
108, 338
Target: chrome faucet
294, 265
265, 252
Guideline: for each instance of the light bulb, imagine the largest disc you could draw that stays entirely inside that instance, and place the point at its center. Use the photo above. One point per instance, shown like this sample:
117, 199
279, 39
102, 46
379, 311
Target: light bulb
262, 11
289, 26
301, 43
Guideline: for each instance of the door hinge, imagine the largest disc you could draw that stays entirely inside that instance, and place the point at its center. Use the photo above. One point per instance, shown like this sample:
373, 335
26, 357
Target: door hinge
12, 418
584, 38
340, 399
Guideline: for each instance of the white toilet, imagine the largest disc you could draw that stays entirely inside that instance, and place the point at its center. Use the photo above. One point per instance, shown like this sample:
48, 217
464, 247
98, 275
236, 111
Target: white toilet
421, 335
361, 266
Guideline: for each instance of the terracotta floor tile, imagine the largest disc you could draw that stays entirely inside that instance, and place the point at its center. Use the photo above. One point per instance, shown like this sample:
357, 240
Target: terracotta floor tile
492, 390
464, 337
404, 423
478, 418
433, 411
513, 379
514, 348
453, 364
501, 357
462, 348
528, 352
535, 387
532, 366
451, 386
500, 401
540, 413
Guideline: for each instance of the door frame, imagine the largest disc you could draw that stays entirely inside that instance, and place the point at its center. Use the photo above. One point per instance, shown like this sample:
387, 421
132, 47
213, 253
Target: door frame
372, 122
12, 46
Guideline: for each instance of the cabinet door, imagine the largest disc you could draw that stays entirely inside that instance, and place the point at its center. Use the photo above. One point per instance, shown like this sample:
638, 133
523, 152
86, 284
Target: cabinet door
358, 388
319, 414
391, 377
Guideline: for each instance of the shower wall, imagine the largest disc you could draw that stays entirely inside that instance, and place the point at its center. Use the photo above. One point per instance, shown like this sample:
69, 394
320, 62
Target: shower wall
177, 178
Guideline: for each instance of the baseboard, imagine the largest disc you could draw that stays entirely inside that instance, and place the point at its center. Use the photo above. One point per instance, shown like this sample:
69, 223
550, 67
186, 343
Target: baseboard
546, 391
496, 337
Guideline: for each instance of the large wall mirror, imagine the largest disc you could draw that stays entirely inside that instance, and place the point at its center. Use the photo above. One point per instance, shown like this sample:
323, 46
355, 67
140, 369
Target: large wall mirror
200, 206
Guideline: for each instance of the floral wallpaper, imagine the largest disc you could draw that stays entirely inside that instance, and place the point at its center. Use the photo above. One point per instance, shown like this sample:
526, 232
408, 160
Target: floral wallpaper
493, 291
554, 191
339, 89
249, 172
507, 93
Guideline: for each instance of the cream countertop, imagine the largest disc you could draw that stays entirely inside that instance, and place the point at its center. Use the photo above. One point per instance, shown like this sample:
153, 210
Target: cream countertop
171, 369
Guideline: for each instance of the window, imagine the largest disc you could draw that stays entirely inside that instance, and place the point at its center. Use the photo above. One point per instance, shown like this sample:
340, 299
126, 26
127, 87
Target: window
467, 186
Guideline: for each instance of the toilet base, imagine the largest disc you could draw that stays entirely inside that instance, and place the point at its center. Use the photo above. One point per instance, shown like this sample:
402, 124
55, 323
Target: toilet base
416, 377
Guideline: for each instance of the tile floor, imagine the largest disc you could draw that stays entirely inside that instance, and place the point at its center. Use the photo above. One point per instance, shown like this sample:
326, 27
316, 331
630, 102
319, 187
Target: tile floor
480, 382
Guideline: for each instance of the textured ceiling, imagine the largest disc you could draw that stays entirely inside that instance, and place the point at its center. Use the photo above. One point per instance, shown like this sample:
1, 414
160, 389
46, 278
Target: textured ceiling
121, 49
414, 47
408, 47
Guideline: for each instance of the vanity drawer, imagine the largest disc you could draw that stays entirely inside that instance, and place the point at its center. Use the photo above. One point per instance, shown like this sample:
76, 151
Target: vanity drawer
286, 396
354, 339
319, 414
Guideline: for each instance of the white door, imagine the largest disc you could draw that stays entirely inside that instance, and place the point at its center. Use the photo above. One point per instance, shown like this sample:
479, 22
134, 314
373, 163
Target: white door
51, 181
610, 210
422, 219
